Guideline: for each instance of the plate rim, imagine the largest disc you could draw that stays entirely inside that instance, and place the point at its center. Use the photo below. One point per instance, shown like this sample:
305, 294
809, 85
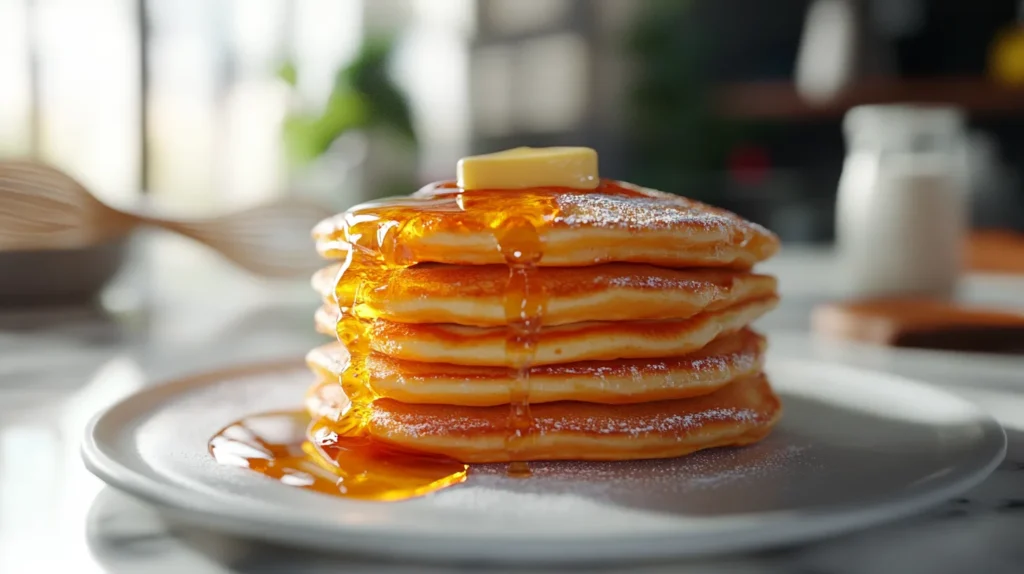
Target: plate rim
179, 503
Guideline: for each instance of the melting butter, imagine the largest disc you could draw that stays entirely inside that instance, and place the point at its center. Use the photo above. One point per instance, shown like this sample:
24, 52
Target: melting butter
524, 167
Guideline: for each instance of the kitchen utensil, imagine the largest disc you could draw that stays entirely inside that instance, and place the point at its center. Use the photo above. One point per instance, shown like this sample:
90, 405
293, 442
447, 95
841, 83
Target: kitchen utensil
42, 208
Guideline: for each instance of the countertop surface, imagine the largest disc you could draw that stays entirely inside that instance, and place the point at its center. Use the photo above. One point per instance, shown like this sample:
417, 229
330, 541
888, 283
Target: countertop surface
177, 309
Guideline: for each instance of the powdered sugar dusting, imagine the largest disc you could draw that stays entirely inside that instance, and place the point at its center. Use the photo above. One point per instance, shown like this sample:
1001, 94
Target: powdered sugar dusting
662, 373
704, 469
417, 426
618, 211
640, 281
676, 425
662, 424
678, 486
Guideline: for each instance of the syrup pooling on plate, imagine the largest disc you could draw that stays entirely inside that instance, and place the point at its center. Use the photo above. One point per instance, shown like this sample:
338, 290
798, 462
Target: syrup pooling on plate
288, 447
375, 238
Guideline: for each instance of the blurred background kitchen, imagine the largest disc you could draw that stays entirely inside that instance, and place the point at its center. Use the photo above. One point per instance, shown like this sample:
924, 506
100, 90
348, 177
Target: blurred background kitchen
203, 105
195, 108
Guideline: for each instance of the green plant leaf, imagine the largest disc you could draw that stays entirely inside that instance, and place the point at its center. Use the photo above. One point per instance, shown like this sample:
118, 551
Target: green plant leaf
288, 73
364, 96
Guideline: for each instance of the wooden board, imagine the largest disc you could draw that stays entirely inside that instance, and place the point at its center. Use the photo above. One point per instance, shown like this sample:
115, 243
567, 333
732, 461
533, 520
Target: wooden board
922, 323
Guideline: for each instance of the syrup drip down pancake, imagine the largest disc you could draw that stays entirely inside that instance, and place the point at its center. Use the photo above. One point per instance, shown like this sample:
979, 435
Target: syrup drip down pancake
474, 295
726, 359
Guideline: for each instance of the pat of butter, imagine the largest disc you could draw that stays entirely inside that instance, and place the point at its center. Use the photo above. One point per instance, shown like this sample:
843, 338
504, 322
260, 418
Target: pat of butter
524, 167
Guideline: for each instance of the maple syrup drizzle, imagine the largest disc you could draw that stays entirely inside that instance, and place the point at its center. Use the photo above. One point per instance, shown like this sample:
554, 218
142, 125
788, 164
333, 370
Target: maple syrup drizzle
375, 235
287, 446
335, 455
520, 244
352, 331
375, 249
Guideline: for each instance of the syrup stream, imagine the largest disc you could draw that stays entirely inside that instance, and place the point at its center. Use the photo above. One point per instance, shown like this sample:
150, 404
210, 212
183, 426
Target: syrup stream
520, 244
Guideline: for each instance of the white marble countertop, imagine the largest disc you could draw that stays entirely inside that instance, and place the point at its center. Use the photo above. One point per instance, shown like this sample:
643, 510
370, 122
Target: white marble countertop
183, 310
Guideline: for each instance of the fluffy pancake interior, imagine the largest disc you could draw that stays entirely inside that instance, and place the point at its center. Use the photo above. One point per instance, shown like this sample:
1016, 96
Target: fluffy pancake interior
474, 295
739, 413
726, 359
592, 341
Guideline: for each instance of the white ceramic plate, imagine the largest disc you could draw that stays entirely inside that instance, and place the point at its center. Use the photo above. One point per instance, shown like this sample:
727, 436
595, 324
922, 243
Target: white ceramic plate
854, 448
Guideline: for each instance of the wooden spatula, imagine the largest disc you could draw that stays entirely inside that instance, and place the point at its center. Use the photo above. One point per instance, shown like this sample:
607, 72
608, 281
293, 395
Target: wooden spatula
42, 208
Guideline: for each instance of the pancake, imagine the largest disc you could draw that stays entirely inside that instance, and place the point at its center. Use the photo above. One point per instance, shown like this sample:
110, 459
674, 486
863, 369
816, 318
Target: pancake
722, 361
617, 222
474, 295
740, 413
591, 341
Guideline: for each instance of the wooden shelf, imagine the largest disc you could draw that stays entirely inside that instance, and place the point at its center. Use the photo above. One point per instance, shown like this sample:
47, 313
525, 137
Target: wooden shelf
781, 101
996, 251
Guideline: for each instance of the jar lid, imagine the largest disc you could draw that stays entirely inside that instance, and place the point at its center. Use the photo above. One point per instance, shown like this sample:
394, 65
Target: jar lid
903, 125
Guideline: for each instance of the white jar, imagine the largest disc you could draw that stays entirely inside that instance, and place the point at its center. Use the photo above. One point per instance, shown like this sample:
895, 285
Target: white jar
902, 211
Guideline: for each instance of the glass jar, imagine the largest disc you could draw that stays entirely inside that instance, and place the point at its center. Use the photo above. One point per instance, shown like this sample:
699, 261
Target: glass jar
902, 205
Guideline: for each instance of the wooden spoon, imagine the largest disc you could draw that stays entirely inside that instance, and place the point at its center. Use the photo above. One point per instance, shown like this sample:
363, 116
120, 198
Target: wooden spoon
42, 208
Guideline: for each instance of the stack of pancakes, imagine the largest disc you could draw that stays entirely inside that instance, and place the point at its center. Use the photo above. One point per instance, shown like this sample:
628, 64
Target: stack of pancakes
644, 348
